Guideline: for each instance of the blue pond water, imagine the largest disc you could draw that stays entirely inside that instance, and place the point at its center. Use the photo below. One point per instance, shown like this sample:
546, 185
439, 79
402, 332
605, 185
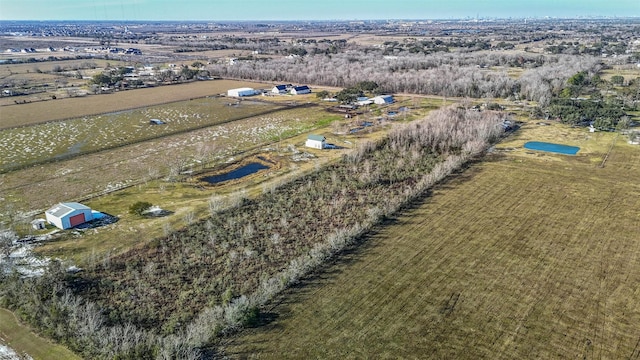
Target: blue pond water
551, 147
235, 174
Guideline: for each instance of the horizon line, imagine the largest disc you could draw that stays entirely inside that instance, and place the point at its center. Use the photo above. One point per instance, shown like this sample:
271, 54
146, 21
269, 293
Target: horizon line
468, 18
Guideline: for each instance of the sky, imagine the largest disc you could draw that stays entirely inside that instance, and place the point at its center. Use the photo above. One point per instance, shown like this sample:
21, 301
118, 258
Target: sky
225, 10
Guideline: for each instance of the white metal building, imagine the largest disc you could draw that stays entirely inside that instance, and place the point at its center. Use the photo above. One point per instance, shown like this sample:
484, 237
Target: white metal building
239, 92
68, 215
383, 99
316, 141
299, 90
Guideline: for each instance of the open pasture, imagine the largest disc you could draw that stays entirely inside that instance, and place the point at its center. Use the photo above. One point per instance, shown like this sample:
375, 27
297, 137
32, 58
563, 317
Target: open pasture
38, 187
521, 256
629, 72
55, 66
69, 108
25, 146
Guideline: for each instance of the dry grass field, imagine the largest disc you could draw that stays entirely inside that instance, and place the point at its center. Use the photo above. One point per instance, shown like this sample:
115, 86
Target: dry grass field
9, 70
23, 341
184, 199
40, 143
629, 72
43, 111
525, 255
40, 186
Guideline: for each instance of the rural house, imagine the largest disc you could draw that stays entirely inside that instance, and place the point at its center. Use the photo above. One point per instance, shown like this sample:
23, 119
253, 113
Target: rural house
68, 215
279, 89
316, 141
383, 99
299, 90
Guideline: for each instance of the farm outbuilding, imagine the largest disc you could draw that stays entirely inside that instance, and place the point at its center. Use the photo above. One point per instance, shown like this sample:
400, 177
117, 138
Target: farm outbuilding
239, 92
383, 99
69, 214
279, 89
316, 141
38, 224
299, 90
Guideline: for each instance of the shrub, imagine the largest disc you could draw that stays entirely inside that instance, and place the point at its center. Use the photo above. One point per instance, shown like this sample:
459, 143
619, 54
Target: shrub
138, 208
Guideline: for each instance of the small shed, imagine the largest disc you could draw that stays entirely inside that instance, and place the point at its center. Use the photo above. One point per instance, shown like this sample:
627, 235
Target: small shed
279, 89
239, 92
38, 224
299, 90
316, 141
383, 99
69, 214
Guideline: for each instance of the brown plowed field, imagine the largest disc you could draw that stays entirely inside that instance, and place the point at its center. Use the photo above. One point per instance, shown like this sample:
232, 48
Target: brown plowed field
68, 108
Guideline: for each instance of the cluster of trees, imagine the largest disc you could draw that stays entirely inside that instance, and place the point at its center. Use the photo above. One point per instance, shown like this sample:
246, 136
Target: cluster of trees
603, 114
110, 77
350, 94
444, 44
453, 75
595, 49
273, 45
115, 77
176, 294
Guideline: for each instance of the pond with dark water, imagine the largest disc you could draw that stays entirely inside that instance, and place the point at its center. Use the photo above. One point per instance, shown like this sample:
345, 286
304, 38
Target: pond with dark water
238, 173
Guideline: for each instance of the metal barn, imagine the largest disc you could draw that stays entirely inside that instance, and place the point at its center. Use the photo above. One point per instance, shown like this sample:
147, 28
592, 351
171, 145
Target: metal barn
69, 214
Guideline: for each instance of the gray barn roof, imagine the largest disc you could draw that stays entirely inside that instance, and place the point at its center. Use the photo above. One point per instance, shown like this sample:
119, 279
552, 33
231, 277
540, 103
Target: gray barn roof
316, 137
63, 209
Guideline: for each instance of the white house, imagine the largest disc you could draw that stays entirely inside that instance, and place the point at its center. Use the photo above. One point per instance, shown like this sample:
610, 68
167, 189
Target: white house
239, 92
68, 215
279, 89
316, 141
299, 90
383, 99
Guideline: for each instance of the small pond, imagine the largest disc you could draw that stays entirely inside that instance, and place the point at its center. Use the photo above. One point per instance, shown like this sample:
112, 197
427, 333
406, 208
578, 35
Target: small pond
238, 173
551, 147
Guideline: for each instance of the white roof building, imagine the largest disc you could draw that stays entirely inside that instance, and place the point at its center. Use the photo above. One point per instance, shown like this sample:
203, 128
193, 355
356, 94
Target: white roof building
383, 99
69, 214
239, 92
315, 141
299, 90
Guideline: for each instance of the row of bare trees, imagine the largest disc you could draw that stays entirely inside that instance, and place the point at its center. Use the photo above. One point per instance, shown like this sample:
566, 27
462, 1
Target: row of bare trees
450, 74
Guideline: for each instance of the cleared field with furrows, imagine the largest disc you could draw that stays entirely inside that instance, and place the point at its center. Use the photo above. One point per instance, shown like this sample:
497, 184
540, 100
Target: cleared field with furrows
43, 111
523, 256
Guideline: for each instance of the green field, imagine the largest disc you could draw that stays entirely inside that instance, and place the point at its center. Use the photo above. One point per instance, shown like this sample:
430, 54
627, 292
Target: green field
524, 255
22, 340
